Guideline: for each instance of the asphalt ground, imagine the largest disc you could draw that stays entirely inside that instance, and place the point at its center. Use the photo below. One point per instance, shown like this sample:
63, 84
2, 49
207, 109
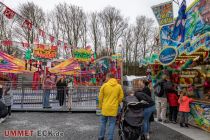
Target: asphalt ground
70, 126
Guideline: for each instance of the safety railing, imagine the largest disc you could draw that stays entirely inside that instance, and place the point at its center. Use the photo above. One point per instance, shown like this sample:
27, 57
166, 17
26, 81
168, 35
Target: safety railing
75, 99
83, 98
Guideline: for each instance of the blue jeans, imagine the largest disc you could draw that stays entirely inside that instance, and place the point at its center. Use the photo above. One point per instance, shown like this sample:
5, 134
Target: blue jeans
103, 121
46, 98
147, 113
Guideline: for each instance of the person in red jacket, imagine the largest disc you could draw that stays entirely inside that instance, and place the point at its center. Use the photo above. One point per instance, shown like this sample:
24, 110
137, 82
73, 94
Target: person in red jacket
172, 97
184, 107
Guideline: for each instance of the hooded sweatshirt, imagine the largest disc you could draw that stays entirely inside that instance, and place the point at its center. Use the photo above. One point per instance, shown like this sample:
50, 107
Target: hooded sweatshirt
110, 96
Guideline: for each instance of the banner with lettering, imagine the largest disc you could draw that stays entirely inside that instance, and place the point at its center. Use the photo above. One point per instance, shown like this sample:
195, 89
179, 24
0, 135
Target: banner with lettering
45, 51
168, 55
117, 57
83, 55
164, 13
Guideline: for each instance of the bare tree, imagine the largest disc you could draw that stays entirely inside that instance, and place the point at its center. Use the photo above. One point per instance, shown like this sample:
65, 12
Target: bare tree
95, 31
154, 43
113, 25
128, 42
139, 41
6, 33
71, 19
84, 30
53, 28
137, 30
36, 16
147, 34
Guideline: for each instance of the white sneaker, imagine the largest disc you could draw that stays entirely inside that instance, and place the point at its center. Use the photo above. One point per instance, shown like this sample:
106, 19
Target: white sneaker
2, 120
147, 137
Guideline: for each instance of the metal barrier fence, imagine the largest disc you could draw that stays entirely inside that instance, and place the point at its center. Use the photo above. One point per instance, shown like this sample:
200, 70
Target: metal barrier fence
75, 99
83, 98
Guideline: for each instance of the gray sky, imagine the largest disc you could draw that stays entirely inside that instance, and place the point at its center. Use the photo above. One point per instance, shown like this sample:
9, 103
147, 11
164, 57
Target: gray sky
129, 8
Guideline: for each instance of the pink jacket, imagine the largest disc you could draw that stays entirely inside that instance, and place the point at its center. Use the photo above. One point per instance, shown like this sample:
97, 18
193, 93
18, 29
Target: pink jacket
184, 106
48, 83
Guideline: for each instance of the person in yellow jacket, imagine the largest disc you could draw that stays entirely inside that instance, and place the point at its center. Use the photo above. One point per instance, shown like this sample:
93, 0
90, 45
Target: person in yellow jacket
110, 97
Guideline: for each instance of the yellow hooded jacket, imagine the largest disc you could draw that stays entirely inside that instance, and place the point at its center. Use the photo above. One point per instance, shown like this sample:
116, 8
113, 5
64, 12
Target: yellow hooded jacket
110, 96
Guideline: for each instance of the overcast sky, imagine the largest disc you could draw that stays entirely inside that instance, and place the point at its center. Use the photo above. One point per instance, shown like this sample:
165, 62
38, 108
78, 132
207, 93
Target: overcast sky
128, 8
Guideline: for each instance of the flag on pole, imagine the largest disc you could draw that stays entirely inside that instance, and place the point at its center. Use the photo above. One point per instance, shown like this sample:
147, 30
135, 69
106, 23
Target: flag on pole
9, 13
52, 38
179, 27
42, 33
27, 24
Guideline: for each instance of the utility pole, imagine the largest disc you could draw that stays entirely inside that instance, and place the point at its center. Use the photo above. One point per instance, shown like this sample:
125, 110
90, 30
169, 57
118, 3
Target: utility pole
122, 55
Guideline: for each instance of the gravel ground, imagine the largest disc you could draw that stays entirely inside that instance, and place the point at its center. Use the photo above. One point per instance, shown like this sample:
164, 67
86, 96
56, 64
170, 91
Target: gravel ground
74, 126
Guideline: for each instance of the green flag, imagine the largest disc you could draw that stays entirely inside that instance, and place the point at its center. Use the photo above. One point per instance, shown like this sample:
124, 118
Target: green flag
28, 54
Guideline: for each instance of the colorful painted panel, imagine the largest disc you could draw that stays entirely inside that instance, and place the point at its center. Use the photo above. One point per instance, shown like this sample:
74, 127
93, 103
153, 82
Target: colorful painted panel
200, 115
197, 24
165, 36
10, 64
198, 19
164, 13
191, 46
69, 67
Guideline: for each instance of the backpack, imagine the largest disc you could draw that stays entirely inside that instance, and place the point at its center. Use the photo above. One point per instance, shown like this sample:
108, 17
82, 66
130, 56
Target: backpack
159, 89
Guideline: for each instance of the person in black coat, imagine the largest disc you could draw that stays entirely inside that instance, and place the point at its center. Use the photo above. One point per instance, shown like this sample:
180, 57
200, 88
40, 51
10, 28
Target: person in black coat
1, 90
146, 89
61, 90
3, 111
148, 110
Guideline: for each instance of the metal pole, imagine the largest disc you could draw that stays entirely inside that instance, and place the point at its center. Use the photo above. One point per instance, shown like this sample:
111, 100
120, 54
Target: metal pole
122, 65
121, 72
43, 89
22, 87
80, 77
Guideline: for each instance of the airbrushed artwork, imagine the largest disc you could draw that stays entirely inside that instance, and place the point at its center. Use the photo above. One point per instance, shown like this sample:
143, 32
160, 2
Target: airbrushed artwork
198, 19
197, 23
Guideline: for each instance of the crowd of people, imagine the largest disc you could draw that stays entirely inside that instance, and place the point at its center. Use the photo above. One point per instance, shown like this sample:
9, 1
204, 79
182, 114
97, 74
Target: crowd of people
176, 98
110, 98
166, 94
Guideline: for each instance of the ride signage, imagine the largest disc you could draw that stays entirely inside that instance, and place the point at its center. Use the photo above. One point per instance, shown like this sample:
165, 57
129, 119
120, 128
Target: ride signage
117, 57
164, 13
82, 55
168, 55
45, 52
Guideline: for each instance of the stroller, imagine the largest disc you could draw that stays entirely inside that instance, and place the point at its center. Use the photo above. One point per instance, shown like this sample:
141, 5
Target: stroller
131, 119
